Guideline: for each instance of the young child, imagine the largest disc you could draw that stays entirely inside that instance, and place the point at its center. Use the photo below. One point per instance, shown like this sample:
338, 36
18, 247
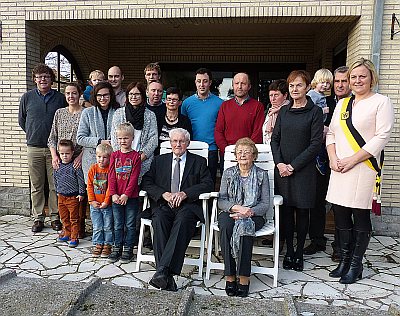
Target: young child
95, 77
123, 185
100, 202
71, 189
321, 83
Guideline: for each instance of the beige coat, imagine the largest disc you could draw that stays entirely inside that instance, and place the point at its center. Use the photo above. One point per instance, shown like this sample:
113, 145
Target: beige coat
373, 118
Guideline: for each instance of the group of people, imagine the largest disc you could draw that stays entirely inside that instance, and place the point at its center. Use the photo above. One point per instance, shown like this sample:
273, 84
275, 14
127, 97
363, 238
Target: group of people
100, 149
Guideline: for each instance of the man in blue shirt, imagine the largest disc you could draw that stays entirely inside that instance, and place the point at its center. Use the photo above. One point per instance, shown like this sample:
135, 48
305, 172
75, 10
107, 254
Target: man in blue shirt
202, 109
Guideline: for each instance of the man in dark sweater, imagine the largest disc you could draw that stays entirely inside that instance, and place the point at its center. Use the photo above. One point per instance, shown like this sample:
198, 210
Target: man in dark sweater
36, 112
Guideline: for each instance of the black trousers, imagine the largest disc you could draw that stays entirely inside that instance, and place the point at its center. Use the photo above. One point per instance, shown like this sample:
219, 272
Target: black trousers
243, 266
318, 213
352, 218
301, 227
173, 230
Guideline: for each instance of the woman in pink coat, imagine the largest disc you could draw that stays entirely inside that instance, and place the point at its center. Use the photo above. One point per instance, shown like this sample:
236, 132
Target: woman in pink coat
359, 130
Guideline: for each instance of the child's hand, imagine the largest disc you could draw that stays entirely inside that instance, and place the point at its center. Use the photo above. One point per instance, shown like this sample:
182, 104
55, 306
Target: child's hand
115, 199
103, 205
325, 110
95, 204
123, 199
80, 198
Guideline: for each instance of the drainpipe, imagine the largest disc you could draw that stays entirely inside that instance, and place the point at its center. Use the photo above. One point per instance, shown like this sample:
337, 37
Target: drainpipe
377, 34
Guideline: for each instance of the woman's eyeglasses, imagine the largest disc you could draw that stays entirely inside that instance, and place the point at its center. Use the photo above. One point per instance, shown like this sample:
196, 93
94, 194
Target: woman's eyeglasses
103, 96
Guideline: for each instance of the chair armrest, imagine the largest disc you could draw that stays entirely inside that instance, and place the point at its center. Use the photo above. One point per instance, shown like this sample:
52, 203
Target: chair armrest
214, 194
278, 200
142, 193
204, 196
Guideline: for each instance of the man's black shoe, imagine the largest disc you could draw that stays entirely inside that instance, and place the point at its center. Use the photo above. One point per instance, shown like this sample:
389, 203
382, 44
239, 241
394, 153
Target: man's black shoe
160, 279
171, 285
313, 248
37, 226
56, 225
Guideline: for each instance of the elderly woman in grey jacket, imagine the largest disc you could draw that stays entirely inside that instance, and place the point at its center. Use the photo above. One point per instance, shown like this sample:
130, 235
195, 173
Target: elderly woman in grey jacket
144, 122
243, 203
95, 123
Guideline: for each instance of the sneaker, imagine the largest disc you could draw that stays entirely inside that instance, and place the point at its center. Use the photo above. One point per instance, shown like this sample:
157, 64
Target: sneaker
127, 254
115, 254
63, 238
106, 251
73, 243
96, 250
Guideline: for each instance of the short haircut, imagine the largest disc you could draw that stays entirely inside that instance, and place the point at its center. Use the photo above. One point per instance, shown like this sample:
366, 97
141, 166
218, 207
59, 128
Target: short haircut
245, 141
104, 149
244, 73
174, 90
140, 86
154, 81
304, 75
126, 127
75, 84
341, 69
180, 130
104, 85
66, 143
369, 65
279, 85
322, 75
153, 66
203, 71
43, 69
98, 73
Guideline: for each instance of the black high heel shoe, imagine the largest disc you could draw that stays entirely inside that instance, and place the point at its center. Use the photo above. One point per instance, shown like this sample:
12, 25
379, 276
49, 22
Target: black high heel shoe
231, 288
288, 263
243, 290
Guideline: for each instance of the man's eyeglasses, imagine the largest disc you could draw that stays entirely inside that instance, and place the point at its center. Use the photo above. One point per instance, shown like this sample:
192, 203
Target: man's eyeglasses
45, 77
134, 95
178, 141
104, 96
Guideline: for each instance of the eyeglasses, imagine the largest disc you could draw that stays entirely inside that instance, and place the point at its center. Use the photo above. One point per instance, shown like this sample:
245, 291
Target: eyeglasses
245, 153
45, 77
178, 141
172, 100
104, 96
134, 95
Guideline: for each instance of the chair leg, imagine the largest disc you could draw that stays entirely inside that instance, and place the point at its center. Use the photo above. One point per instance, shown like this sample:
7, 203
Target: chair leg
140, 247
202, 246
209, 253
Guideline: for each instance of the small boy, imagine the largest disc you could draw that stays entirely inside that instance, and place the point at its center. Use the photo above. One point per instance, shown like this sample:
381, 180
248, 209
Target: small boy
123, 185
95, 77
71, 189
100, 202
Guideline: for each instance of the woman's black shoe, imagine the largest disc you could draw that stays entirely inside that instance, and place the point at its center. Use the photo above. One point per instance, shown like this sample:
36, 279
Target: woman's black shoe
298, 264
231, 288
243, 290
288, 263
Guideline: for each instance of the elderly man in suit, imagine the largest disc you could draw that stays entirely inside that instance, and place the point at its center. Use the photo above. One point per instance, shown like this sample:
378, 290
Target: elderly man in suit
174, 183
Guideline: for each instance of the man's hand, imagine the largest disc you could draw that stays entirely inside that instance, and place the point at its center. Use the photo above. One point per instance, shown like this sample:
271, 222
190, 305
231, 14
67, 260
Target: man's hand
177, 199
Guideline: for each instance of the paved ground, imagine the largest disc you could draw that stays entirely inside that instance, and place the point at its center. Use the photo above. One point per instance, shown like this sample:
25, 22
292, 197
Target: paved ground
40, 256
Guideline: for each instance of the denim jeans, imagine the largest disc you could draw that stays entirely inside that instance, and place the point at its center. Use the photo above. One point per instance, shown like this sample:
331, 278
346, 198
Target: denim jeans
124, 222
102, 221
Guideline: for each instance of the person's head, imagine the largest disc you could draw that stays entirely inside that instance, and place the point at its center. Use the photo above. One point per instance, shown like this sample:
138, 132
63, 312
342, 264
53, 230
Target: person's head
299, 84
103, 153
103, 96
43, 76
203, 81
362, 76
241, 85
341, 86
72, 93
173, 99
154, 92
180, 140
245, 151
152, 72
135, 94
95, 77
115, 77
65, 150
278, 92
125, 132
322, 80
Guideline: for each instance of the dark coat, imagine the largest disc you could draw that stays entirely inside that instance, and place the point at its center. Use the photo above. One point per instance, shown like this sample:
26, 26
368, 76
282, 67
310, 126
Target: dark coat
196, 180
296, 140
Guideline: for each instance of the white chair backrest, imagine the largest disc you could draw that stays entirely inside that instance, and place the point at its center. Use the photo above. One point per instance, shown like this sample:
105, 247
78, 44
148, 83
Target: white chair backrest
195, 147
264, 161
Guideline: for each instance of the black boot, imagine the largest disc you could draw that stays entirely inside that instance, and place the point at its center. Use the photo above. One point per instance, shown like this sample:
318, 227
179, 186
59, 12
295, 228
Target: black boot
345, 237
356, 267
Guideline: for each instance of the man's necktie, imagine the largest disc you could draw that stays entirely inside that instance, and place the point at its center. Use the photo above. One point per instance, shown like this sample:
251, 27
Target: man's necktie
176, 176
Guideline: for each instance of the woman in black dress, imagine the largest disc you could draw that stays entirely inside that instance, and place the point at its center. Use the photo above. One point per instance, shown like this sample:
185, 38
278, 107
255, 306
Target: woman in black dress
295, 143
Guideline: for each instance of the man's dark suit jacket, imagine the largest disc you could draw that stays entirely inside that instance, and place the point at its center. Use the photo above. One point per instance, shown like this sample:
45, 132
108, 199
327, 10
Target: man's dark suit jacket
196, 180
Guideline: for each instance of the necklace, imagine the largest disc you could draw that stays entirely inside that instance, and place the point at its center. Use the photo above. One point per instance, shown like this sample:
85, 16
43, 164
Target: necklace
172, 120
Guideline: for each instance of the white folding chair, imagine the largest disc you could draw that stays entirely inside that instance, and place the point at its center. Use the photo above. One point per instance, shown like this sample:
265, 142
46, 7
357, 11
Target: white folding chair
271, 227
201, 149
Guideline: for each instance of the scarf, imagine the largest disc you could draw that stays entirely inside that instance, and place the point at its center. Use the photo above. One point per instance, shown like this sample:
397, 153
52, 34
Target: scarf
243, 227
246, 195
273, 114
135, 115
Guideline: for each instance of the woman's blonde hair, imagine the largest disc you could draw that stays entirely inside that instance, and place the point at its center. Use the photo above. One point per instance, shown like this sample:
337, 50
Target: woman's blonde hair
247, 142
322, 75
367, 64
